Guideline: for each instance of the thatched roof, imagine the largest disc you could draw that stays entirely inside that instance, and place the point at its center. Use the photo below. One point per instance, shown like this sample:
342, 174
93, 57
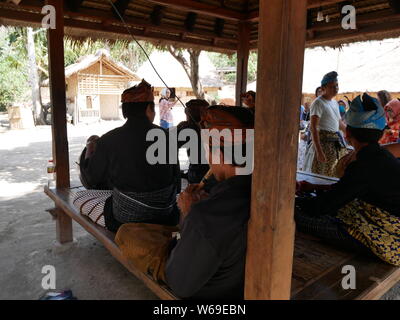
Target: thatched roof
87, 61
206, 24
365, 66
173, 73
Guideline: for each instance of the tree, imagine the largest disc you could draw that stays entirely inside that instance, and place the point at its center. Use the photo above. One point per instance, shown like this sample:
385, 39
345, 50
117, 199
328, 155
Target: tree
191, 69
34, 80
13, 79
222, 60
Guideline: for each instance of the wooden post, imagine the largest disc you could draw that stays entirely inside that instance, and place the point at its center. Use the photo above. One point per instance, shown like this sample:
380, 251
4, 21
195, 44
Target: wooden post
242, 60
55, 40
281, 44
55, 43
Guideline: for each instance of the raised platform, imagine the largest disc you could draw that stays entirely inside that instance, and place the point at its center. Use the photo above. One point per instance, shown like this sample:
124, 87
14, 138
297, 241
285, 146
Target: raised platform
317, 267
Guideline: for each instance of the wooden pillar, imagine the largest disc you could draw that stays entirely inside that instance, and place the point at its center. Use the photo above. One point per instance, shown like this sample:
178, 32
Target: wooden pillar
281, 43
55, 43
242, 60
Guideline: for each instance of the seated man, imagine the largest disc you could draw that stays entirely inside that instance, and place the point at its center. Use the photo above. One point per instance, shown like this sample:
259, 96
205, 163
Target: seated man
208, 261
362, 211
194, 109
117, 161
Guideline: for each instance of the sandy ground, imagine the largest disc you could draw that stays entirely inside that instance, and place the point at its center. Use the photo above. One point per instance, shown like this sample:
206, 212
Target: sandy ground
27, 231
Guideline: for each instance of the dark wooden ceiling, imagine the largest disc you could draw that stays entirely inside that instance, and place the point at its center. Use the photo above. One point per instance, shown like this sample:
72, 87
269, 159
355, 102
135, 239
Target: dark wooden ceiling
209, 24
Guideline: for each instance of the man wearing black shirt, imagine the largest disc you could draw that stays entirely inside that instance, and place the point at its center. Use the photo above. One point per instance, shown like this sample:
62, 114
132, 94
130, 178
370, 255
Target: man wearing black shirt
208, 261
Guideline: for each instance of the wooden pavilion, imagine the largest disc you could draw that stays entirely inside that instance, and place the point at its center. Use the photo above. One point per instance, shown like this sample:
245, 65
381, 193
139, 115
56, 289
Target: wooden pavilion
279, 265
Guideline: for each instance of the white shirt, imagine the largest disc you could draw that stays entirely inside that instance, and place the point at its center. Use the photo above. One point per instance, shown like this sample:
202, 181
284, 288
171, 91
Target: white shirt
328, 113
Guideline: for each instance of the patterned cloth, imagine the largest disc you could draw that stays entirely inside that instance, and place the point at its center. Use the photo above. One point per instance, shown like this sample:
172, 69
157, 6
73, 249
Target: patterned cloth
328, 228
333, 149
91, 204
143, 206
375, 228
165, 110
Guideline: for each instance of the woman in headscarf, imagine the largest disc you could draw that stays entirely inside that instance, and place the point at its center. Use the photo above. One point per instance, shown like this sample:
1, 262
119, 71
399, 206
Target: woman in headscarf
392, 110
360, 212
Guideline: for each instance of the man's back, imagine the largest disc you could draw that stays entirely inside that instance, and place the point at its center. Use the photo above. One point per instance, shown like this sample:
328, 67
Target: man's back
120, 160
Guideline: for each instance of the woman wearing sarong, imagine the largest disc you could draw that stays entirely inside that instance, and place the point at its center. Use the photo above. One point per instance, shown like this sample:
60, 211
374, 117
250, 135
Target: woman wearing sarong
327, 145
361, 212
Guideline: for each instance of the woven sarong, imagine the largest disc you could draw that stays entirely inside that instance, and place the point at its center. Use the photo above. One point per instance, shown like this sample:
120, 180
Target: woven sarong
91, 204
374, 227
143, 206
333, 148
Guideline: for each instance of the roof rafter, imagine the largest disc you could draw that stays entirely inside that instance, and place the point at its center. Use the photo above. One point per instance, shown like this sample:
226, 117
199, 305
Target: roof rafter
203, 8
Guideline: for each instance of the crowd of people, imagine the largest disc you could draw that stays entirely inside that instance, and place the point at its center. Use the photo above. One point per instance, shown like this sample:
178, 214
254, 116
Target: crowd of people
195, 240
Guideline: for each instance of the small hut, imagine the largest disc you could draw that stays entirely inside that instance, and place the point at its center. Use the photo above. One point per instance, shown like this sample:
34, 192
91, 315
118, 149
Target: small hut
175, 77
94, 86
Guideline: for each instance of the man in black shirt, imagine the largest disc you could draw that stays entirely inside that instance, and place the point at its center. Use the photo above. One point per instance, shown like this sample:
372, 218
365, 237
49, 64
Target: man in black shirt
117, 161
209, 259
362, 210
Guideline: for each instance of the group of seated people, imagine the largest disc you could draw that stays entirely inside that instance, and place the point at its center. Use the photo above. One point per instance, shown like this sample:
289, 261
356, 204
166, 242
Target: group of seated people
196, 239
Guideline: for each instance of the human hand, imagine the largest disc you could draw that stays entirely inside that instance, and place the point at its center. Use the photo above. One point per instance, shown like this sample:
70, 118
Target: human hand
190, 196
321, 157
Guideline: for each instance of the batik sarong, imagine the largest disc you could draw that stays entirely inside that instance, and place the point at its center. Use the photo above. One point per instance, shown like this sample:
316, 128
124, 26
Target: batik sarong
374, 227
333, 147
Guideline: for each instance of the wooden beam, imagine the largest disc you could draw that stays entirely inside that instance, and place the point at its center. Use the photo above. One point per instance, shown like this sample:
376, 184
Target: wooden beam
254, 15
320, 3
242, 60
338, 36
271, 229
73, 5
367, 18
157, 15
55, 40
55, 43
120, 7
107, 18
145, 31
190, 21
202, 8
219, 26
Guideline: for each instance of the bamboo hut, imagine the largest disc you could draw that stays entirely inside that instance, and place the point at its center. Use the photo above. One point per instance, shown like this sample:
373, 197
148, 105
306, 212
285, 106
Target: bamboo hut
280, 264
93, 87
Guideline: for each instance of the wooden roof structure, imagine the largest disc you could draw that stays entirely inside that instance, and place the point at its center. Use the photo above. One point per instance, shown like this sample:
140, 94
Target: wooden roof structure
280, 30
209, 24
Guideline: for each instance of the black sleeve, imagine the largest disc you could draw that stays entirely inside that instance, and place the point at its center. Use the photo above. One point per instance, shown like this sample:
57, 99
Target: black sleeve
352, 185
95, 167
191, 263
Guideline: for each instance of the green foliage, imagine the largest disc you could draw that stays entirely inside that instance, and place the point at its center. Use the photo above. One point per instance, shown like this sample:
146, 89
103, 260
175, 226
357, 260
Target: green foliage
13, 75
126, 52
222, 60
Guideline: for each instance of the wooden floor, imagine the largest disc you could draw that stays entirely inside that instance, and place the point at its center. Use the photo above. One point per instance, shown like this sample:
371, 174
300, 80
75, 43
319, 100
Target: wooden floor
317, 267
